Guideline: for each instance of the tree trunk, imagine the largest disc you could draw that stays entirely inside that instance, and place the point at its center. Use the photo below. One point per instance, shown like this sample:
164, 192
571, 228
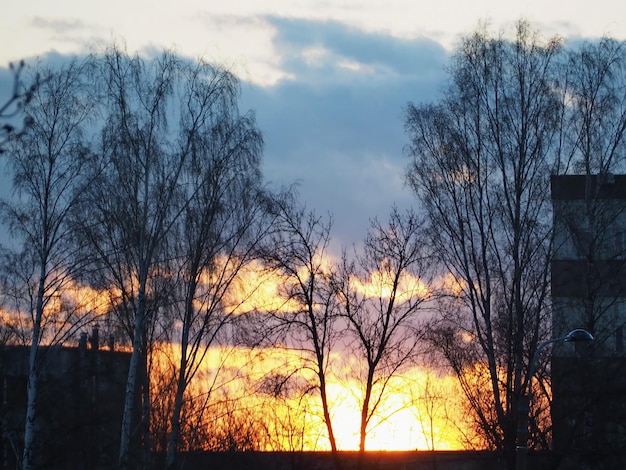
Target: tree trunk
172, 444
31, 409
328, 421
364, 416
131, 382
28, 459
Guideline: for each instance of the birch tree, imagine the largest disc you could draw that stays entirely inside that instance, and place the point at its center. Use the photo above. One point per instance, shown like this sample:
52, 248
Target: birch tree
589, 249
131, 207
592, 87
221, 221
51, 165
480, 160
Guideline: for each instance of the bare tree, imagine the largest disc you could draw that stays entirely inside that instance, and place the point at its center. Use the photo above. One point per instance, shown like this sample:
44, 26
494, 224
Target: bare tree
592, 86
20, 96
287, 411
222, 219
163, 384
383, 292
132, 206
297, 252
430, 409
480, 164
588, 214
51, 165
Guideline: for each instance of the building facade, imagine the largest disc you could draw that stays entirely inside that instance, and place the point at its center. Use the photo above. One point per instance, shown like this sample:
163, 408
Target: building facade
589, 291
79, 406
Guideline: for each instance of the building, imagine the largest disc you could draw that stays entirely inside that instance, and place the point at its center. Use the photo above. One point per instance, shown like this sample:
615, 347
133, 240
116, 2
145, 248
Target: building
80, 404
589, 291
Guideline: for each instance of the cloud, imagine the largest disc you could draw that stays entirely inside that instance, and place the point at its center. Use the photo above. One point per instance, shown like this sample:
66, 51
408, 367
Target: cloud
336, 125
313, 49
227, 22
337, 129
58, 26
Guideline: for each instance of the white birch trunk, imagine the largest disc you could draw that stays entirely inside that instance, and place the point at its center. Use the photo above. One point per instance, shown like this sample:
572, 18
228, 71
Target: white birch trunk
28, 457
131, 382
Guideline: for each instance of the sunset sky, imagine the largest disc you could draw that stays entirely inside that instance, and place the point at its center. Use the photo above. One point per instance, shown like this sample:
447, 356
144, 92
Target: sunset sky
328, 79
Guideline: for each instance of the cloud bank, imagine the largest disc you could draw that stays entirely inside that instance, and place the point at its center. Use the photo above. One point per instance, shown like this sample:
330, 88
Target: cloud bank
336, 124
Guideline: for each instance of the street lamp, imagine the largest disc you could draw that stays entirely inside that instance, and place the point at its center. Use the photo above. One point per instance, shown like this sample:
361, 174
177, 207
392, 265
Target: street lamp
575, 336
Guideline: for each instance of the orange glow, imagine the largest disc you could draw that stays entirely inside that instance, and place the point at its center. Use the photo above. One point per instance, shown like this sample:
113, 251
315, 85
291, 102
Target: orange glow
86, 299
257, 289
275, 386
64, 314
414, 415
452, 284
381, 284
405, 417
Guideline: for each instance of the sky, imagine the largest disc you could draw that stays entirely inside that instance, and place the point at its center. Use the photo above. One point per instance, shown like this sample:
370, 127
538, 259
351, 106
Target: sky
329, 80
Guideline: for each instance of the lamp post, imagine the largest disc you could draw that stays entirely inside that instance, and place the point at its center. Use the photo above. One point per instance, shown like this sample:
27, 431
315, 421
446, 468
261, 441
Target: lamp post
521, 450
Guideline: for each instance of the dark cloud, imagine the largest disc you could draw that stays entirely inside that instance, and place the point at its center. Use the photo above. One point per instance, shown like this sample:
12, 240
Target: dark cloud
380, 55
339, 131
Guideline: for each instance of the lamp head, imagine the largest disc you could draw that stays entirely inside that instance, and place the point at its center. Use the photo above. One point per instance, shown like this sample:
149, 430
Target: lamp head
579, 335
